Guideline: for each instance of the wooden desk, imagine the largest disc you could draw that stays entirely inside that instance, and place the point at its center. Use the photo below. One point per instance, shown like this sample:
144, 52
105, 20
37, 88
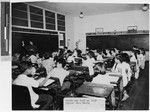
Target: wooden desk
113, 79
97, 90
93, 89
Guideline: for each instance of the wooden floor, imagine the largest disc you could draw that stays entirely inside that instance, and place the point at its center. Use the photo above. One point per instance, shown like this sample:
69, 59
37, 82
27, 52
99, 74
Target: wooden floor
139, 93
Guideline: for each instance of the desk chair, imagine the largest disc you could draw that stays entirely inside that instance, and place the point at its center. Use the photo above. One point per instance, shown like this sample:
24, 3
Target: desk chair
21, 98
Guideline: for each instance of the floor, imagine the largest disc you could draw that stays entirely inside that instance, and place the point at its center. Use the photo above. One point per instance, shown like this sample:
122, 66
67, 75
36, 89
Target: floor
139, 93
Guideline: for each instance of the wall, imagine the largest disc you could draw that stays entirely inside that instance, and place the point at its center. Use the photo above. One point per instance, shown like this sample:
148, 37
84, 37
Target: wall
69, 20
110, 22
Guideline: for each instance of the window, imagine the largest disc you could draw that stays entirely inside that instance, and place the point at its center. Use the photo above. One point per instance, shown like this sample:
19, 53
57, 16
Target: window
61, 22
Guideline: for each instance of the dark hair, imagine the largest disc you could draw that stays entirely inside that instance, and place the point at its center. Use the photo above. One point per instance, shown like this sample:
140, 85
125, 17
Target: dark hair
24, 65
40, 55
61, 61
119, 57
65, 47
112, 49
125, 57
143, 51
92, 55
46, 55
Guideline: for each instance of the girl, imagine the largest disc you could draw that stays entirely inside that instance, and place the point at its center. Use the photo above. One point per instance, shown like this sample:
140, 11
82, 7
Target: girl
122, 67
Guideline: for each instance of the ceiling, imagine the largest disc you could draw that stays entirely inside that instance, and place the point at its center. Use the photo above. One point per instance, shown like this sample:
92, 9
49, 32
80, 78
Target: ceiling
74, 9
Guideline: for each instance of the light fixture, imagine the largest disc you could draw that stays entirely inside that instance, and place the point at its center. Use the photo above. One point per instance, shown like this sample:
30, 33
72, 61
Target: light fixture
81, 15
145, 7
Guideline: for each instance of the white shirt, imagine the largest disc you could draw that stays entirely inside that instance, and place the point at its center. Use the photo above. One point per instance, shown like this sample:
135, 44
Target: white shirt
99, 57
60, 73
141, 60
89, 63
29, 82
33, 59
48, 64
70, 59
133, 59
126, 73
125, 70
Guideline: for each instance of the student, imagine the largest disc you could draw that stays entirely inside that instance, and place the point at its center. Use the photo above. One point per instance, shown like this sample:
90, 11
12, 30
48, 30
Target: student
59, 72
33, 58
142, 52
113, 52
41, 100
70, 58
141, 59
123, 68
48, 62
99, 56
89, 62
134, 58
108, 53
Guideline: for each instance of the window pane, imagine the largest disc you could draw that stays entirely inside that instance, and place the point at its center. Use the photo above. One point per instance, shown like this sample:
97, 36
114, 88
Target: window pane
36, 17
61, 17
49, 26
61, 23
50, 14
61, 28
20, 6
20, 14
19, 22
50, 20
36, 24
36, 10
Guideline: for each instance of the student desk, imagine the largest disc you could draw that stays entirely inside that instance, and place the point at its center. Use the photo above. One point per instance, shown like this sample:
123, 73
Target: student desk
97, 90
104, 86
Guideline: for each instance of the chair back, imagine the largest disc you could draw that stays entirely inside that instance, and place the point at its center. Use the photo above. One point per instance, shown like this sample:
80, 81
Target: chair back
21, 98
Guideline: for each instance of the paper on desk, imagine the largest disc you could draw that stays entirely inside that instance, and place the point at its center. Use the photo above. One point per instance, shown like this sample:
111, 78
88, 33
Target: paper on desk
98, 90
105, 79
49, 81
101, 79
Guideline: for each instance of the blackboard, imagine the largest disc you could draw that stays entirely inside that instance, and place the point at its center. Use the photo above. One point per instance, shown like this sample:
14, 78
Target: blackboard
122, 42
44, 43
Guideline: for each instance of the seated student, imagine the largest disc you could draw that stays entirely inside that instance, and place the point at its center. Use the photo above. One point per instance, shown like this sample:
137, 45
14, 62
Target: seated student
15, 60
59, 72
75, 54
113, 52
40, 59
108, 53
33, 58
89, 62
48, 62
99, 56
133, 58
142, 59
70, 58
23, 79
123, 68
